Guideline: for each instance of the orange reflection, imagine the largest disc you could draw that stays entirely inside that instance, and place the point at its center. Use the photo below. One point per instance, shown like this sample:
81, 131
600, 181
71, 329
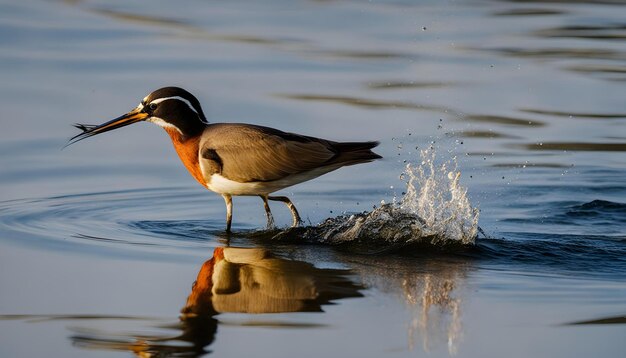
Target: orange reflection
238, 280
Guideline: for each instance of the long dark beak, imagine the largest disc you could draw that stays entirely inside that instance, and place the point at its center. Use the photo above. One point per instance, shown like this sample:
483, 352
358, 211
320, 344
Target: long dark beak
134, 116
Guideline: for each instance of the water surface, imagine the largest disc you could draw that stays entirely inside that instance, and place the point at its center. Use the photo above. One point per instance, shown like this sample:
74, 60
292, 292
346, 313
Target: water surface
101, 243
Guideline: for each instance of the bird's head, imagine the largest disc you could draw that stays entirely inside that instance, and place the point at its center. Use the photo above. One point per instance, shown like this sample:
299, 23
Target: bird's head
172, 108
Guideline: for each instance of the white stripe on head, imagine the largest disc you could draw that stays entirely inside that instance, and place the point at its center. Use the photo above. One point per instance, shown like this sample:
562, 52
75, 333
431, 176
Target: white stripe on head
159, 100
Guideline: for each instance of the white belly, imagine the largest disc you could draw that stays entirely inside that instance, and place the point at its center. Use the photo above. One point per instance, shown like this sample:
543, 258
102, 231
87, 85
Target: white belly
221, 185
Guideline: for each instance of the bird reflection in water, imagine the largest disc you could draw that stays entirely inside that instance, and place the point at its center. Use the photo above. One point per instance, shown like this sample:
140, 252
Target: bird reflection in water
253, 280
238, 280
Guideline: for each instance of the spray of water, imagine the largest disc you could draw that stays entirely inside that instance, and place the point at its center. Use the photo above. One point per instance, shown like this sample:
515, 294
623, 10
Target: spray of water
434, 210
435, 195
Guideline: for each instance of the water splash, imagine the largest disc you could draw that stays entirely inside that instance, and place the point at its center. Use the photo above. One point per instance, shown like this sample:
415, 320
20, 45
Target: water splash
435, 210
434, 194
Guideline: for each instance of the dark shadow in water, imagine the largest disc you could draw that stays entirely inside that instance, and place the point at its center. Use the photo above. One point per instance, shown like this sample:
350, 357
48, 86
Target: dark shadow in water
605, 32
567, 2
396, 85
562, 53
576, 146
509, 121
364, 102
484, 134
32, 318
575, 114
234, 280
529, 12
143, 19
604, 320
599, 69
365, 55
530, 165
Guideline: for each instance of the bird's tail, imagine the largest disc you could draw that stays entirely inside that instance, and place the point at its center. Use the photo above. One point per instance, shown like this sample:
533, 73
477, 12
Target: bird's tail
350, 153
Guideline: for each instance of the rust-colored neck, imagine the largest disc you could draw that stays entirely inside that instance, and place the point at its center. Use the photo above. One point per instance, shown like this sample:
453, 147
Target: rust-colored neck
187, 149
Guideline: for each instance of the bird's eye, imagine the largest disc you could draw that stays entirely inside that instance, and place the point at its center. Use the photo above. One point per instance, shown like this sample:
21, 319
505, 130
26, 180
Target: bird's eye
152, 106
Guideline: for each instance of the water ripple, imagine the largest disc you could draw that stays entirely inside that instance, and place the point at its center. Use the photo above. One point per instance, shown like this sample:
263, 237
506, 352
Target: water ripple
556, 252
101, 222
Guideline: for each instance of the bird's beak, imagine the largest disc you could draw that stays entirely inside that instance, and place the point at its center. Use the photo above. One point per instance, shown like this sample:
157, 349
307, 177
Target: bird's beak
134, 116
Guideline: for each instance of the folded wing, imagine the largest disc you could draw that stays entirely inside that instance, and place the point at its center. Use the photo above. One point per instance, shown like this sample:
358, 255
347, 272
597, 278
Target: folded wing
248, 153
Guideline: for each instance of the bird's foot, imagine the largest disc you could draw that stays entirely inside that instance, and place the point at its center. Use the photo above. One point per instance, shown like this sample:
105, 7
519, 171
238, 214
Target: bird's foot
297, 222
270, 223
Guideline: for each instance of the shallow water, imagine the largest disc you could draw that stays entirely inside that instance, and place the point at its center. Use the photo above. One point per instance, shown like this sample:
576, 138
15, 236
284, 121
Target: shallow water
101, 242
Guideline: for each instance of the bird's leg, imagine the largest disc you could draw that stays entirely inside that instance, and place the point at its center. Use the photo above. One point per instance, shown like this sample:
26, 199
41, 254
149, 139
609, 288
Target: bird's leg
268, 213
229, 210
294, 212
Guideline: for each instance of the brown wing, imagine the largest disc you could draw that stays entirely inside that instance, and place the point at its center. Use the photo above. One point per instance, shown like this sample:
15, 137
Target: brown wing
247, 153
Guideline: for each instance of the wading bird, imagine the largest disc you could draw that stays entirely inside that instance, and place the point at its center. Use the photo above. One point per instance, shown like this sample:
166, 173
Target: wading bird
235, 158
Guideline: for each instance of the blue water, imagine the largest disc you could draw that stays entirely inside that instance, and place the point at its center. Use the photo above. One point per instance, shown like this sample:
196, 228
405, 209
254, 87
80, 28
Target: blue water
101, 242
